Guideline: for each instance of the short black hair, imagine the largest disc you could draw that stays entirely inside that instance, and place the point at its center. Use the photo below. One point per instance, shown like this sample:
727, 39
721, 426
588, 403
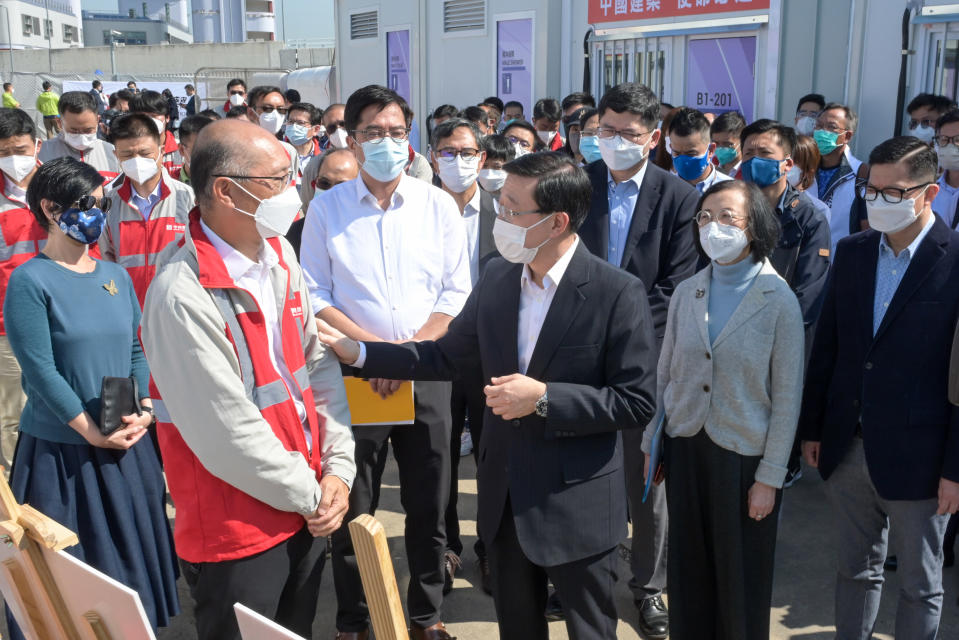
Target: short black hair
238, 111
633, 98
946, 118
133, 82
373, 95
493, 101
292, 95
96, 84
497, 147
134, 125
920, 159
445, 111
148, 101
314, 114
547, 108
191, 125
522, 124
852, 118
935, 102
785, 136
731, 122
818, 98
687, 121
189, 87
235, 82
7, 85
212, 114
120, 94
76, 102
254, 95
561, 184
63, 181
762, 222
578, 97
16, 122
46, 85
476, 115
445, 130
513, 103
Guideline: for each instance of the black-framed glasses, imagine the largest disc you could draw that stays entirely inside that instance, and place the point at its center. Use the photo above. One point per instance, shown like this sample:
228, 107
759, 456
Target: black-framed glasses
376, 135
326, 184
302, 123
608, 132
448, 153
523, 143
945, 141
723, 216
507, 213
268, 108
892, 195
333, 126
925, 122
87, 202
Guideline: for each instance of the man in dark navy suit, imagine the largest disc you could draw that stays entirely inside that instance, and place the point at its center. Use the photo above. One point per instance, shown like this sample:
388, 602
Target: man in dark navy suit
876, 418
640, 219
566, 344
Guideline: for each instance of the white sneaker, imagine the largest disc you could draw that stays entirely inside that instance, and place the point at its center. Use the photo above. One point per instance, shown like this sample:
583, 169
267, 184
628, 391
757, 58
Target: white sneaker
466, 443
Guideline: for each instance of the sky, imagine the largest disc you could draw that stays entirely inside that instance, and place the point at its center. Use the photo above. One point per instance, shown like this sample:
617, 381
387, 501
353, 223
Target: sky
308, 19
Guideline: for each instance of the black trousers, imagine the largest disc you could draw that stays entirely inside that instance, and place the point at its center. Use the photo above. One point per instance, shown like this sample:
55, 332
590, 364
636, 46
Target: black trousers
464, 402
720, 566
422, 454
585, 588
281, 583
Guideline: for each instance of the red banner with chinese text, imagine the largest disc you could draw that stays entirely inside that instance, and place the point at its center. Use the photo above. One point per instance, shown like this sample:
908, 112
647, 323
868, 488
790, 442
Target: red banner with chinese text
617, 10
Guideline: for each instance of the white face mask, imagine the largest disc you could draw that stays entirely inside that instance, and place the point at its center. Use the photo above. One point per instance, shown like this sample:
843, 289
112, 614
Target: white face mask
890, 218
794, 175
237, 99
275, 214
722, 242
160, 123
19, 167
510, 240
620, 154
80, 141
457, 173
924, 133
492, 179
140, 169
805, 125
338, 138
272, 121
321, 132
546, 136
948, 157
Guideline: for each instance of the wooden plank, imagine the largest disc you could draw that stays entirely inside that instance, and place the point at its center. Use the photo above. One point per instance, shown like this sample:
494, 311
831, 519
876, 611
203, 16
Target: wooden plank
9, 507
379, 580
46, 531
96, 625
28, 602
49, 588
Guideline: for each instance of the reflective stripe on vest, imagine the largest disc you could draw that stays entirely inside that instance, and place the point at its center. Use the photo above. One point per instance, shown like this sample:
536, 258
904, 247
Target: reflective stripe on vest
22, 238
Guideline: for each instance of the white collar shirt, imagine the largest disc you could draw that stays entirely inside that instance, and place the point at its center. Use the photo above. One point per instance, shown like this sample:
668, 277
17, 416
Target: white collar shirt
471, 216
387, 271
534, 303
254, 277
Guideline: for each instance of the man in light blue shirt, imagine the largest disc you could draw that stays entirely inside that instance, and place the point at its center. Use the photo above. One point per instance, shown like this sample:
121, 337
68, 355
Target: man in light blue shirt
890, 268
145, 205
622, 203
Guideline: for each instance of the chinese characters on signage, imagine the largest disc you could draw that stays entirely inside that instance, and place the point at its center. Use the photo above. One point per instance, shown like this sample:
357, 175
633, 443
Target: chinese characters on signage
615, 10
514, 61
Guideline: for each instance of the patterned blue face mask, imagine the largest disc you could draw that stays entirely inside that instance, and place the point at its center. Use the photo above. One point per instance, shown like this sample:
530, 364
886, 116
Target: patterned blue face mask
84, 221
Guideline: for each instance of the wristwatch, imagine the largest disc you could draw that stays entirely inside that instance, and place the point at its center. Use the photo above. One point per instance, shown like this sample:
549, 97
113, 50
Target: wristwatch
542, 404
151, 412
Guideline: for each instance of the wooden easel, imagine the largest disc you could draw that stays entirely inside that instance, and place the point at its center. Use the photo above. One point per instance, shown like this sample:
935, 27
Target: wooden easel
28, 534
379, 580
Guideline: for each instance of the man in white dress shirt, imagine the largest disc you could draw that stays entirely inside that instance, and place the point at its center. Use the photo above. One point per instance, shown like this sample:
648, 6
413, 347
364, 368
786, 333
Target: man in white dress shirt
386, 256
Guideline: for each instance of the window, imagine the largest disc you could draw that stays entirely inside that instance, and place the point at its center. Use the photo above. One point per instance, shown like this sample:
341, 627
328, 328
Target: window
70, 33
36, 26
464, 15
27, 25
364, 25
48, 29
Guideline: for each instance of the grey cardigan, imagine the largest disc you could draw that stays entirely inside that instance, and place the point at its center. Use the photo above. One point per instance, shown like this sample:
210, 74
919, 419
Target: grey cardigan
745, 389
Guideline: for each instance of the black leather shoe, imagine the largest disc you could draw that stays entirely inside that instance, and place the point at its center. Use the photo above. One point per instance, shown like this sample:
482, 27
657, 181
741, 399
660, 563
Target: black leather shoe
554, 608
653, 618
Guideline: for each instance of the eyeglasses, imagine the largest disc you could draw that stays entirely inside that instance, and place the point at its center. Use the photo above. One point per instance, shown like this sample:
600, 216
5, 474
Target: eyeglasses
808, 114
279, 181
588, 133
302, 123
945, 141
85, 203
333, 126
726, 145
376, 135
632, 136
892, 195
523, 143
268, 108
326, 184
449, 153
925, 122
725, 216
832, 128
507, 213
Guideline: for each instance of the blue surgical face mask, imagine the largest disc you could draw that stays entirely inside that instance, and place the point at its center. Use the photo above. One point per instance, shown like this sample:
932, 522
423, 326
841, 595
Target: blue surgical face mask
589, 148
297, 134
82, 226
762, 171
384, 160
690, 167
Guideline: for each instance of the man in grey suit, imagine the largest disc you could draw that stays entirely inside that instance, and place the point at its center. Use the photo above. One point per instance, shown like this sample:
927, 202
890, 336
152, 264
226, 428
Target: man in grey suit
457, 156
565, 342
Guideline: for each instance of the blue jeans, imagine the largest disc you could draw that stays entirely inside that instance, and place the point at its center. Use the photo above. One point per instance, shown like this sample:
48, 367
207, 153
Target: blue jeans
863, 522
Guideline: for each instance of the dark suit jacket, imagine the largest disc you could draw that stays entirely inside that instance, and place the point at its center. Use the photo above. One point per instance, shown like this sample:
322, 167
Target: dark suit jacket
895, 383
563, 474
487, 214
659, 247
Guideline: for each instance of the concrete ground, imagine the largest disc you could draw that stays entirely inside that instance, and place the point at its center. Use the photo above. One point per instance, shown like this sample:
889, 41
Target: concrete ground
802, 596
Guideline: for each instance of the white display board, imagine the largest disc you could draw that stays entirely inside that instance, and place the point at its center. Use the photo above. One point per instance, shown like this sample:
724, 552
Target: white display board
253, 626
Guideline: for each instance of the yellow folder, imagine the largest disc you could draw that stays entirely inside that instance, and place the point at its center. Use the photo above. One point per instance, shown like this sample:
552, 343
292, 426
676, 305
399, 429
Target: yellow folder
368, 409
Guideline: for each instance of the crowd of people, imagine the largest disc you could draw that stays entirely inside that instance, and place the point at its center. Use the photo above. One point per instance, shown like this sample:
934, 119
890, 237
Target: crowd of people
625, 310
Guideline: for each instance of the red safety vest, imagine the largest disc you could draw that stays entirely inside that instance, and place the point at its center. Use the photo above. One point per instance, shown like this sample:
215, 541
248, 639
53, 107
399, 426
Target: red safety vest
215, 521
21, 238
170, 150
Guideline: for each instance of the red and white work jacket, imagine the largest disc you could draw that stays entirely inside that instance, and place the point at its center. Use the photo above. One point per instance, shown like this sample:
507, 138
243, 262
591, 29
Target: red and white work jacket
21, 238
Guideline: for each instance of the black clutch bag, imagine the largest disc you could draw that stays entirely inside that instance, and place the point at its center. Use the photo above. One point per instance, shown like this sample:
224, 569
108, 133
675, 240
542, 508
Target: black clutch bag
118, 397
